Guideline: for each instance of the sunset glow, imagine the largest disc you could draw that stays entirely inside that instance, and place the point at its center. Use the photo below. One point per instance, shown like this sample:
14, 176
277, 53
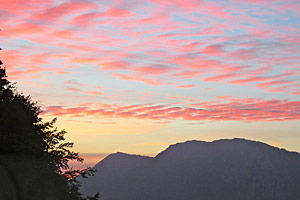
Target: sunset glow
136, 76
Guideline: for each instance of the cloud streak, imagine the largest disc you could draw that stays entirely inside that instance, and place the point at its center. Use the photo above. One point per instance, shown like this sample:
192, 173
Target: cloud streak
246, 110
192, 49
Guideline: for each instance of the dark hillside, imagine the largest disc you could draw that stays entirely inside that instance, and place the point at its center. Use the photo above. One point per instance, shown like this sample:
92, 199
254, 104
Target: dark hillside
222, 169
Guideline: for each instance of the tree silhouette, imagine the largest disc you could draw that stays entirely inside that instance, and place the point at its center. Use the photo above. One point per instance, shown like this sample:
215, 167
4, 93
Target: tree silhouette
34, 156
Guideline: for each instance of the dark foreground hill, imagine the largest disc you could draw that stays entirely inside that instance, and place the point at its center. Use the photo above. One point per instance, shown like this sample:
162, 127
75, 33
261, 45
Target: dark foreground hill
235, 169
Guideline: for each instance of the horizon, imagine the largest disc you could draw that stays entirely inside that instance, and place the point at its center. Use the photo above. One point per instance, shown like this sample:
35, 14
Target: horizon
136, 76
94, 159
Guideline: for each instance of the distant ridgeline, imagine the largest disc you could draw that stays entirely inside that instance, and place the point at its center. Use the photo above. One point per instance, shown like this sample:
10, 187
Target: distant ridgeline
235, 169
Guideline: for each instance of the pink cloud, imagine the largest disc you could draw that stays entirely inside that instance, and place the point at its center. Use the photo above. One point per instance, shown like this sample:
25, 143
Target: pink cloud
206, 89
186, 86
87, 92
157, 43
142, 79
188, 74
73, 82
244, 54
221, 77
155, 69
213, 50
224, 97
206, 31
269, 84
253, 79
20, 6
89, 18
178, 97
190, 47
73, 89
23, 29
214, 9
115, 65
247, 110
187, 4
85, 60
67, 8
149, 94
117, 12
93, 92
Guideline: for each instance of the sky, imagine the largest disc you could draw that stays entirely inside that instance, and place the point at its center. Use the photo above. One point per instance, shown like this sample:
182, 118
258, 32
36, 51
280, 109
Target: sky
136, 76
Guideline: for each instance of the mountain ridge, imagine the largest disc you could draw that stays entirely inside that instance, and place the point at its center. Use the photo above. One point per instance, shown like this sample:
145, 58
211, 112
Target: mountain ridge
228, 168
198, 142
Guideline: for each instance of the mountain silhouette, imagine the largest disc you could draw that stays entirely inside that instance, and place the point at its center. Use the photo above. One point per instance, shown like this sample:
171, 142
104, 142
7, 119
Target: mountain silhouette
228, 169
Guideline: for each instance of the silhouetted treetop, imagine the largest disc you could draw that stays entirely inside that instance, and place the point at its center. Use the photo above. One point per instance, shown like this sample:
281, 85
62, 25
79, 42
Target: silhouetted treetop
23, 132
34, 153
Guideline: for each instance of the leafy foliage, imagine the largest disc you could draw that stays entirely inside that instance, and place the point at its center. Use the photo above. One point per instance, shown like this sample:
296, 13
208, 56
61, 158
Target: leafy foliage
25, 137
